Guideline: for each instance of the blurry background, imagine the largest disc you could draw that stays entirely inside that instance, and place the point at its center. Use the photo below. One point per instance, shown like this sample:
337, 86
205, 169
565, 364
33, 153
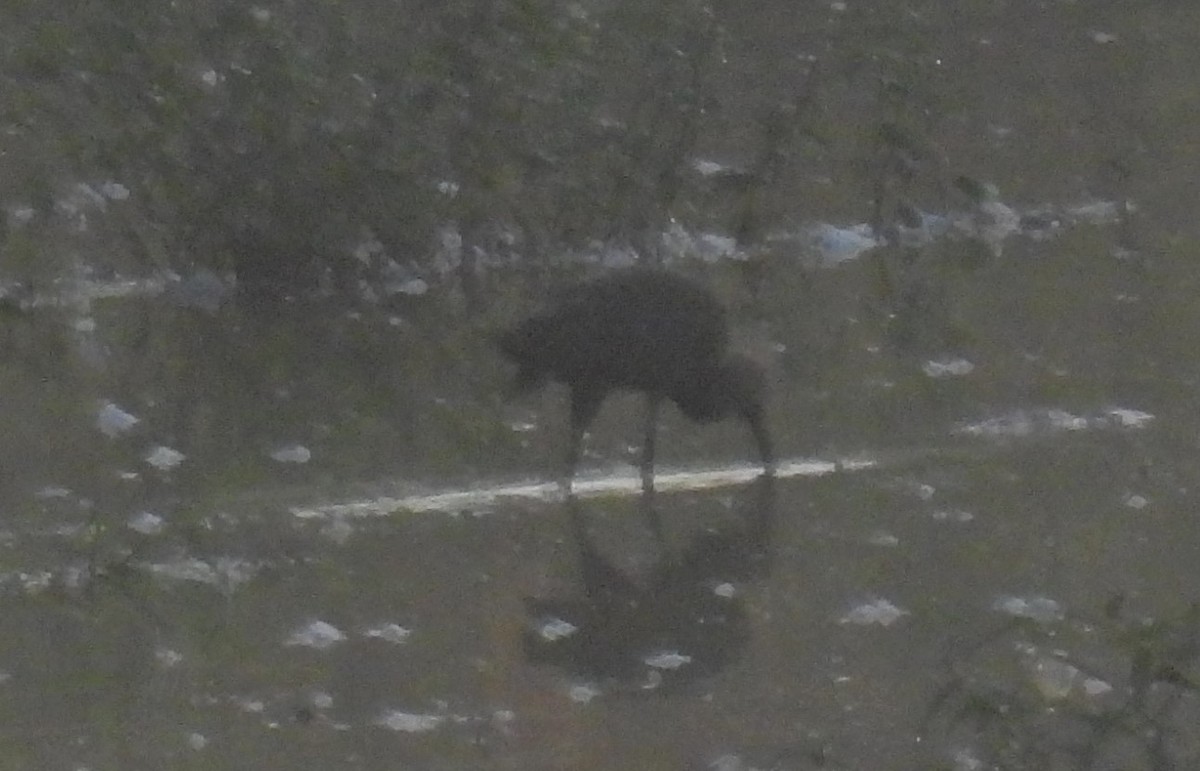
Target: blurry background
251, 257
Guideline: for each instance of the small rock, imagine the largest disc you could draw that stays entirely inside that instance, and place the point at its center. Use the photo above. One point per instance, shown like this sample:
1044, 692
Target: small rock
317, 634
164, 458
877, 611
146, 523
292, 453
407, 722
114, 421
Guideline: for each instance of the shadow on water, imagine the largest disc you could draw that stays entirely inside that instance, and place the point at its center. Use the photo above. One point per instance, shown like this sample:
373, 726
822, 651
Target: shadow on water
683, 621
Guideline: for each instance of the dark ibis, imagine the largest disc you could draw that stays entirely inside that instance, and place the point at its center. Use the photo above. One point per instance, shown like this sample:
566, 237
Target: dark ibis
641, 330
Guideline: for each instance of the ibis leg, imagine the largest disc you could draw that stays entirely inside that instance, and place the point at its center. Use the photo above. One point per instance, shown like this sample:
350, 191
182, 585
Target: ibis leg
647, 469
762, 438
584, 406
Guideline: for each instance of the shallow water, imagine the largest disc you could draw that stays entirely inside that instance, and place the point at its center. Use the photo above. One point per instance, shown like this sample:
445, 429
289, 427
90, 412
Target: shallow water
733, 621
310, 535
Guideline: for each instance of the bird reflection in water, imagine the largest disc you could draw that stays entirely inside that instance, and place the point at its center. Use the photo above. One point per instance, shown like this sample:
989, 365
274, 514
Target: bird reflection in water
684, 621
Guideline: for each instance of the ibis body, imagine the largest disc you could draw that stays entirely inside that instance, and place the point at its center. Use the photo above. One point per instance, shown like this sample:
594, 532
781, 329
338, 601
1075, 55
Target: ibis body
642, 330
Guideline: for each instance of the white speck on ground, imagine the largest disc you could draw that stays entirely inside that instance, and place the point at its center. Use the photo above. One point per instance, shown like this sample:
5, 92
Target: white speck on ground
316, 634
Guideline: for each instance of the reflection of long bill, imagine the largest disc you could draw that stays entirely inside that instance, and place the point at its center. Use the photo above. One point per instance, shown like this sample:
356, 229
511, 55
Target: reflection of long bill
584, 487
